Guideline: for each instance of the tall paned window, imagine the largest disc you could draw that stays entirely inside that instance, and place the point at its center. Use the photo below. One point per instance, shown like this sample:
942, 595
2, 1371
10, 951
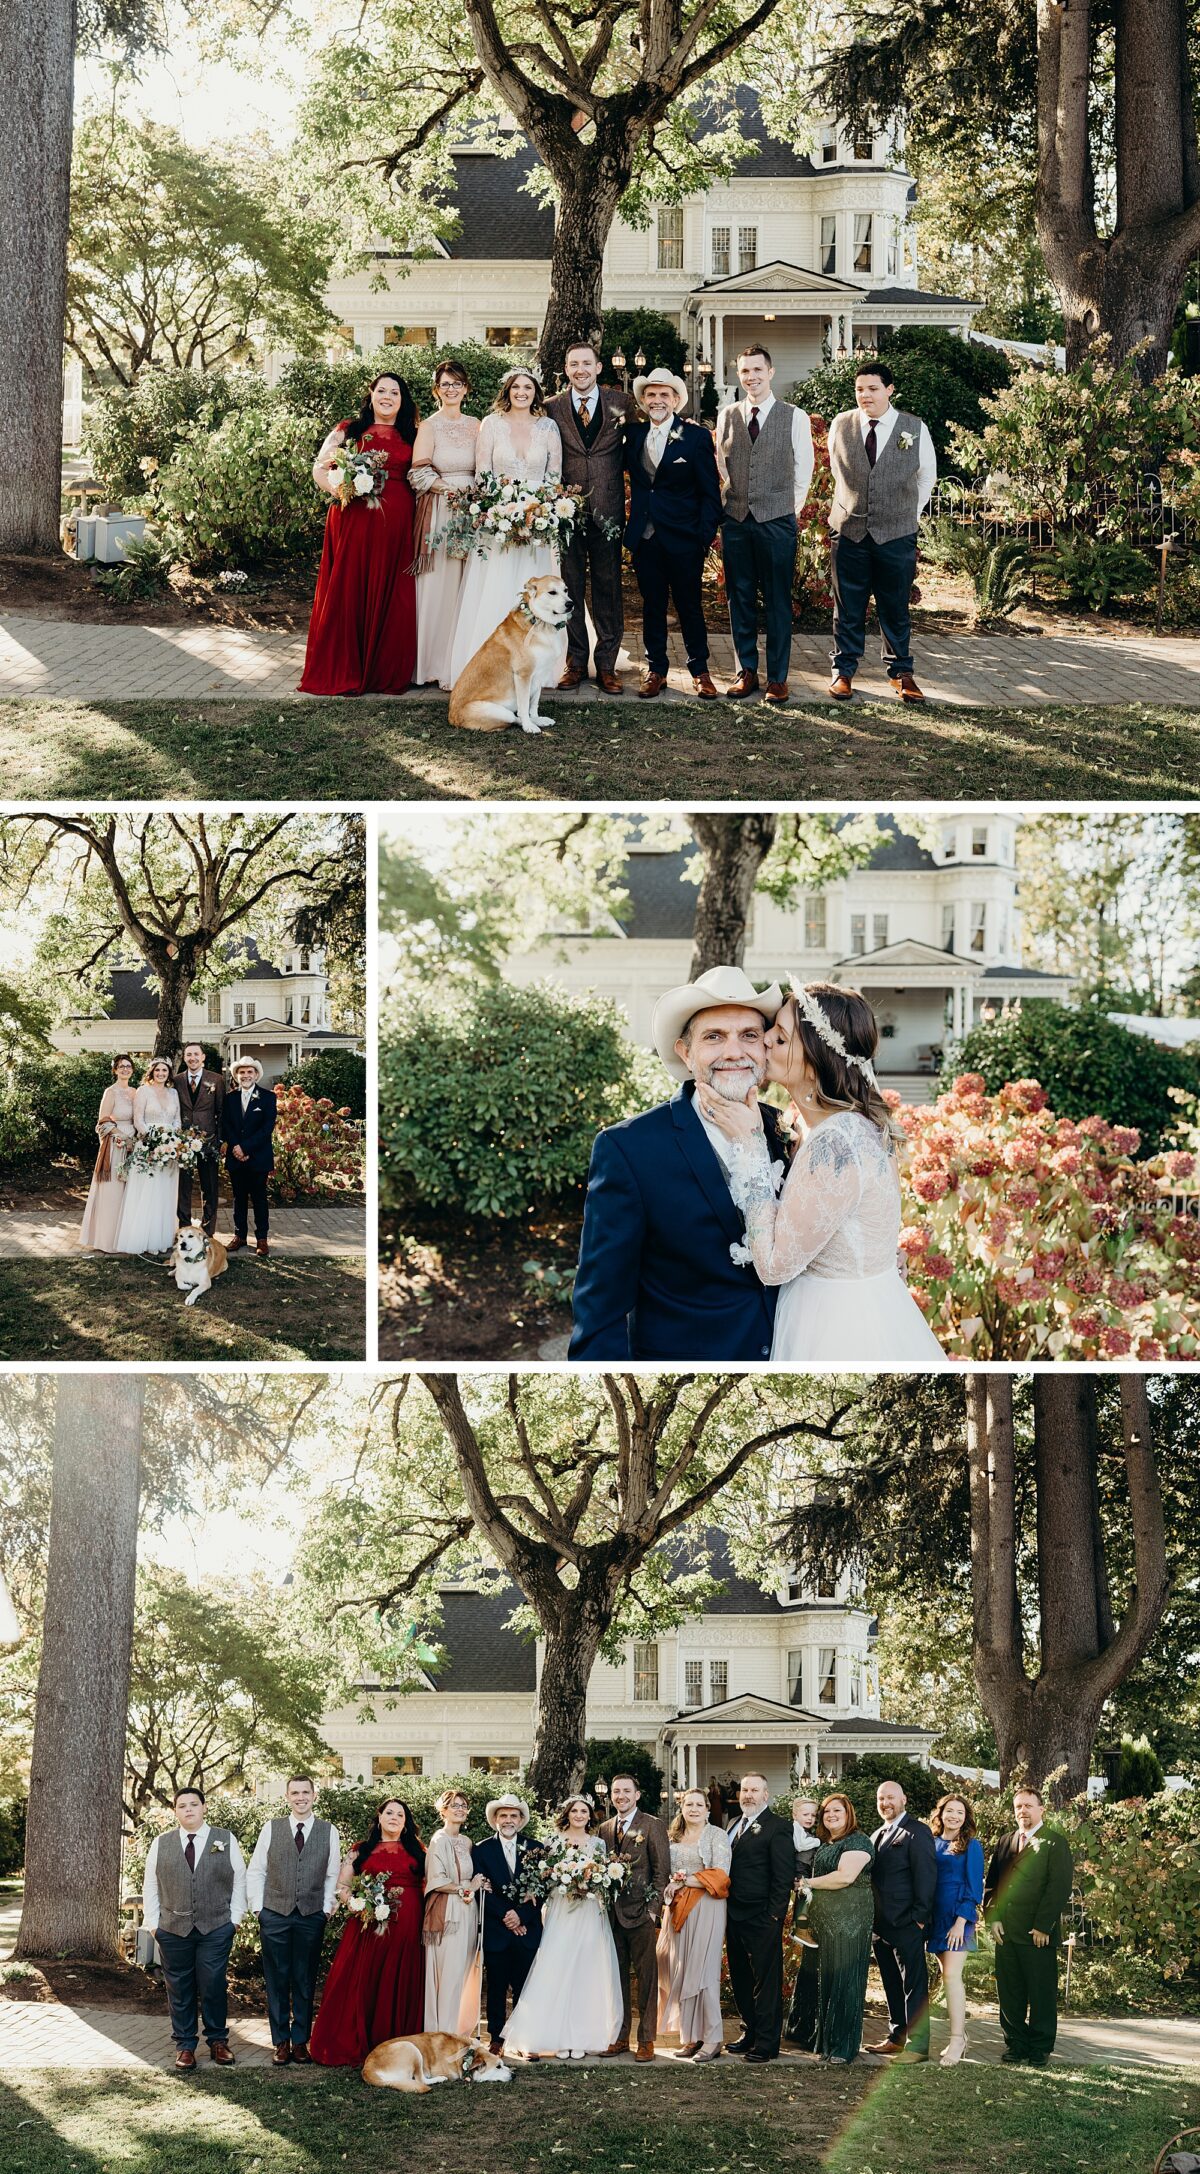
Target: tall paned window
747, 248
720, 252
864, 227
645, 1673
670, 238
829, 243
814, 924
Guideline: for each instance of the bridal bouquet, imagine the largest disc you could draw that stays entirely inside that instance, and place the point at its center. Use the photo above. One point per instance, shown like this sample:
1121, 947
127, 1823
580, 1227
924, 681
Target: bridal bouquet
195, 1147
361, 475
370, 1901
499, 512
574, 1874
153, 1151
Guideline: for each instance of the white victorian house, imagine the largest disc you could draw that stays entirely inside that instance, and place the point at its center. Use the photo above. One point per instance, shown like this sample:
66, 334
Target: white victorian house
279, 1013
931, 933
778, 1678
810, 254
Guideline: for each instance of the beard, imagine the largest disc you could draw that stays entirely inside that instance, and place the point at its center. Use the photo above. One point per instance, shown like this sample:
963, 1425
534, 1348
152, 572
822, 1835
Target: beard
732, 1082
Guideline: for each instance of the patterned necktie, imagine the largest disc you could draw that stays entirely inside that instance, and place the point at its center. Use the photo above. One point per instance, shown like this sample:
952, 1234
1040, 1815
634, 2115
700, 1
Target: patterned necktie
585, 413
872, 447
753, 425
299, 1841
189, 1851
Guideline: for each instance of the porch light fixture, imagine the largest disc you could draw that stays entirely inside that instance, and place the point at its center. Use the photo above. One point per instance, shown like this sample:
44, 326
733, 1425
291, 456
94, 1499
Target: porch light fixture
618, 360
769, 316
639, 360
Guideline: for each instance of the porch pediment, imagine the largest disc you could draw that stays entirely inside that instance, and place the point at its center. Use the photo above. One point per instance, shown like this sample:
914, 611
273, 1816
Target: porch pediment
748, 1711
920, 964
777, 282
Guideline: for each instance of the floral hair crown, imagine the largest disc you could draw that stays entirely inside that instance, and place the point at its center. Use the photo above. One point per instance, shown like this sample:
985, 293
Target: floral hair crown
806, 1003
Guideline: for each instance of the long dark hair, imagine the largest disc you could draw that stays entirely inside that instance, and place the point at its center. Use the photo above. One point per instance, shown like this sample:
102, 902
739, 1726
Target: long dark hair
840, 1085
966, 1832
410, 1838
406, 418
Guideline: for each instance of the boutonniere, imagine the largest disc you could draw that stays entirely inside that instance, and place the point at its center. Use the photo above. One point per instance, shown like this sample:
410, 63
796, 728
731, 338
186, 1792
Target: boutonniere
676, 431
906, 441
217, 1848
1035, 1845
756, 1829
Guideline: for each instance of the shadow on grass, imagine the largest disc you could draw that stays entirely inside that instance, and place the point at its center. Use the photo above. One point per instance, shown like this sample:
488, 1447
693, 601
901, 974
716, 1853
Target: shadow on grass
61, 1307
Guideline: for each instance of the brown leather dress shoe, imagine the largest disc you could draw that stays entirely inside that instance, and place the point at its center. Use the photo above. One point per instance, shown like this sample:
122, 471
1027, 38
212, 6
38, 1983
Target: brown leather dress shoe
301, 2054
185, 2059
652, 683
702, 684
745, 683
610, 683
906, 687
220, 2053
573, 677
610, 2052
646, 2052
282, 2055
841, 688
261, 1247
495, 2045
777, 692
237, 1245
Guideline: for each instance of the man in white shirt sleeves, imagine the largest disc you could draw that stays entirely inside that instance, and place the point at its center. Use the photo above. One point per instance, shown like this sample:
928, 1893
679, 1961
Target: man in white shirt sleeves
291, 1885
193, 1900
884, 469
764, 454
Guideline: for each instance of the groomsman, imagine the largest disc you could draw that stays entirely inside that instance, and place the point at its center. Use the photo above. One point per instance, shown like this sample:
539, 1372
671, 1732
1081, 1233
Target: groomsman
765, 457
247, 1128
290, 1885
674, 514
640, 1841
193, 1900
591, 422
1026, 1890
884, 468
201, 1096
511, 1929
904, 1877
801, 2029
761, 1877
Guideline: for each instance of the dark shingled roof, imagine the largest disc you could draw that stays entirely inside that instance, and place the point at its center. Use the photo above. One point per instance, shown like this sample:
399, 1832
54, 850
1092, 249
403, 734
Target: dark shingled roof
898, 848
499, 218
663, 905
133, 997
1018, 973
481, 1654
896, 296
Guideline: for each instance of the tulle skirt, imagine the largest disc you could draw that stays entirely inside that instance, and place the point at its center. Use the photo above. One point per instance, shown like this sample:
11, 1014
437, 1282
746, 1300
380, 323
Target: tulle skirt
571, 2000
852, 1319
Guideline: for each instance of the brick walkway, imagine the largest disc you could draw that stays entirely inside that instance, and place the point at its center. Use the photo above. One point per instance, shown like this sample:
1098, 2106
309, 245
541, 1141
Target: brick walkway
295, 1234
74, 661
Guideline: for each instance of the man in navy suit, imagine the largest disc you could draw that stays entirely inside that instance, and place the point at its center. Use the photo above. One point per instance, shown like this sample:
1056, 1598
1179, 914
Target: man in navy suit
674, 514
511, 1928
904, 1877
247, 1128
662, 1270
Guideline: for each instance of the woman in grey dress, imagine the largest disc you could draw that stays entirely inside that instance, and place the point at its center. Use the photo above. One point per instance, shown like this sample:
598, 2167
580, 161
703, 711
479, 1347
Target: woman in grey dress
693, 1931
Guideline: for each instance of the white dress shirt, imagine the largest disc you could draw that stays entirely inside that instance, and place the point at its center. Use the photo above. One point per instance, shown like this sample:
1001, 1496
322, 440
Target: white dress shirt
802, 445
508, 1843
1025, 1835
247, 1094
179, 1840
256, 1870
926, 457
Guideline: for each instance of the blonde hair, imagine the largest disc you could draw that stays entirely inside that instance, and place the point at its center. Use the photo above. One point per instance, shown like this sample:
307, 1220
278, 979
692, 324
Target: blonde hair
448, 1797
676, 1828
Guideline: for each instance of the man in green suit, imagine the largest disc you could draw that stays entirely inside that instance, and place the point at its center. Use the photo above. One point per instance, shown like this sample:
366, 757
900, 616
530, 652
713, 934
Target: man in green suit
1027, 1888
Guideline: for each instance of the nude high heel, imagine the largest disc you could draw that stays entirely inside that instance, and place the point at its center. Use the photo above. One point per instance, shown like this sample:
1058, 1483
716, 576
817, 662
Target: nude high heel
953, 2051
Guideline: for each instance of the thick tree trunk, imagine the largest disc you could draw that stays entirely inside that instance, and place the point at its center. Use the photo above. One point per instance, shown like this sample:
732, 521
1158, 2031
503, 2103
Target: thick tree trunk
37, 55
587, 206
734, 849
73, 1850
558, 1761
175, 978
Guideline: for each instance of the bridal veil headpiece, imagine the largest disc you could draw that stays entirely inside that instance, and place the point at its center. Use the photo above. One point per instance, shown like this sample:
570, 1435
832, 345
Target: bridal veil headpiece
807, 1004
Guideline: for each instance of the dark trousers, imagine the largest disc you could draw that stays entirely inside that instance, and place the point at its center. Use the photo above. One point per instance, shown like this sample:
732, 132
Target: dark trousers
1027, 1990
249, 1187
755, 1950
637, 1957
802, 2012
194, 1965
904, 1968
208, 1172
505, 1971
291, 1951
670, 573
760, 559
886, 572
591, 554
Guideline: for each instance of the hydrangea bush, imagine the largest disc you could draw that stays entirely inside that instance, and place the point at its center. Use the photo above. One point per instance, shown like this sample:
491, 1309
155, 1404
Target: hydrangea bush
318, 1148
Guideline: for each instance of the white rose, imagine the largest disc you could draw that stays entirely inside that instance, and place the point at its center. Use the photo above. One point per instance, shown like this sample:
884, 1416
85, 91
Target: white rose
382, 1910
565, 508
356, 1903
364, 484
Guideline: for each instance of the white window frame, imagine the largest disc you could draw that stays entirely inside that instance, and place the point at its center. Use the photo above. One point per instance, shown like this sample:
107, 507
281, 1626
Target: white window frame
693, 1682
718, 1682
645, 1672
719, 249
879, 931
858, 935
816, 920
864, 242
978, 942
828, 249
670, 237
747, 249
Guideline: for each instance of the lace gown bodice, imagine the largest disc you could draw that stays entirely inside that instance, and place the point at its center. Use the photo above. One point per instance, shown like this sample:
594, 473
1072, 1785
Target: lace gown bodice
838, 1214
497, 449
454, 441
150, 1107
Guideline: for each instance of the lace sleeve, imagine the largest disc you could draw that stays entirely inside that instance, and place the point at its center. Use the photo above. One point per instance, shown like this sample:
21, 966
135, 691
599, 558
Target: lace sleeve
553, 451
823, 1188
483, 444
141, 1104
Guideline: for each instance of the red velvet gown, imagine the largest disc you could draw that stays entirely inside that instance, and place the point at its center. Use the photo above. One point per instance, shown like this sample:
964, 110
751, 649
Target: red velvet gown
362, 637
376, 1984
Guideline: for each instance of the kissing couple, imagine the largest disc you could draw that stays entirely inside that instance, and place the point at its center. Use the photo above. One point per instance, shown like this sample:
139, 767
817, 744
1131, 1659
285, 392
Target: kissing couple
716, 1226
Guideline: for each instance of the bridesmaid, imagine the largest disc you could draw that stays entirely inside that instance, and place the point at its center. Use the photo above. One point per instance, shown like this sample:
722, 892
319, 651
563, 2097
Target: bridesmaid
842, 1915
375, 1987
453, 1962
443, 460
362, 637
106, 1194
956, 1908
693, 1931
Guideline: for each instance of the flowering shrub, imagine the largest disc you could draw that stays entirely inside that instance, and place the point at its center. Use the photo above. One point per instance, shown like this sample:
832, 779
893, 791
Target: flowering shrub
1033, 1236
318, 1148
810, 582
241, 493
1137, 1871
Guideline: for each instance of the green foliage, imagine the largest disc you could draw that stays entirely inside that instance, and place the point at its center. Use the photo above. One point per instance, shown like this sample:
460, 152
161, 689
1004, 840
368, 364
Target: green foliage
52, 1107
1092, 570
12, 1836
242, 493
863, 1776
130, 434
942, 379
1088, 1065
641, 331
336, 390
491, 1102
609, 1755
1138, 1873
338, 1074
143, 572
1139, 1769
995, 568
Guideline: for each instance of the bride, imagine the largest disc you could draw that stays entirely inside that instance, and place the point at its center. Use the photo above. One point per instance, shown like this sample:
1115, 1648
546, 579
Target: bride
149, 1218
519, 443
830, 1238
572, 1997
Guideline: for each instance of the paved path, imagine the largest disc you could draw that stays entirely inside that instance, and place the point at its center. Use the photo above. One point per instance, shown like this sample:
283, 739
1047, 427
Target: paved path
77, 661
43, 2035
295, 1233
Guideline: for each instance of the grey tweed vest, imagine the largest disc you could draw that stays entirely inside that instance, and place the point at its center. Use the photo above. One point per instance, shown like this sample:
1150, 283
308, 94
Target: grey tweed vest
762, 476
200, 1898
881, 502
295, 1879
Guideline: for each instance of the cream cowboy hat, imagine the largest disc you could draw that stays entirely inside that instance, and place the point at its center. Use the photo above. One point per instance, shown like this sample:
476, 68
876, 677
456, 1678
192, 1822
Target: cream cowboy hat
721, 985
506, 1804
240, 1065
662, 377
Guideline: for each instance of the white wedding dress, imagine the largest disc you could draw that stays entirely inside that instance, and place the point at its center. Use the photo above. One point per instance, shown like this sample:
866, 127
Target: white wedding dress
494, 578
149, 1218
571, 2000
830, 1242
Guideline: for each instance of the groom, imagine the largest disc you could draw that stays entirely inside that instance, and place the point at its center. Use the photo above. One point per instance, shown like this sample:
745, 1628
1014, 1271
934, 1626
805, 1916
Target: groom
201, 1098
511, 1928
591, 423
657, 1277
640, 1841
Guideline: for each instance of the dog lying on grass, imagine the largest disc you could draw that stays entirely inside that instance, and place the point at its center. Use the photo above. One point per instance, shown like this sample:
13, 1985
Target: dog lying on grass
424, 2058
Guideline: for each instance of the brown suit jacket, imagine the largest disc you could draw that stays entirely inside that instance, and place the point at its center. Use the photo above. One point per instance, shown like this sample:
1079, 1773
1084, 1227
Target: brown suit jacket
598, 469
204, 1114
647, 1851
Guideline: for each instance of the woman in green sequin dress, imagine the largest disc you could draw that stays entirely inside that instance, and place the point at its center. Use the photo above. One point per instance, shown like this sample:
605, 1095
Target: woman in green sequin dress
841, 1914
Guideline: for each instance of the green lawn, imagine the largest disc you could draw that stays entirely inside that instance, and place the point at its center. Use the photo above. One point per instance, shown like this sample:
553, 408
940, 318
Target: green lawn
629, 749
592, 2121
67, 1308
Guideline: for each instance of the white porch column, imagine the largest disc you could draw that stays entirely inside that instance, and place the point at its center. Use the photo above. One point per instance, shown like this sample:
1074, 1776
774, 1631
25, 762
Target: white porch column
814, 1762
718, 349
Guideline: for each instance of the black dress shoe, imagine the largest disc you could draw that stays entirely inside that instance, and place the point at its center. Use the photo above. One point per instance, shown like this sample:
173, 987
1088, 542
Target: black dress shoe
753, 2056
741, 2045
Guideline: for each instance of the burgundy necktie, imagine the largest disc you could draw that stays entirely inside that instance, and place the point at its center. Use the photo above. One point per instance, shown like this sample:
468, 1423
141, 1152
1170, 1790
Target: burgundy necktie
299, 1840
752, 425
872, 447
189, 1851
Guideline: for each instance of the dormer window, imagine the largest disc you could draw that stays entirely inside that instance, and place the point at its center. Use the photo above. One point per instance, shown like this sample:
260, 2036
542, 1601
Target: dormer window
828, 146
864, 147
793, 1588
979, 842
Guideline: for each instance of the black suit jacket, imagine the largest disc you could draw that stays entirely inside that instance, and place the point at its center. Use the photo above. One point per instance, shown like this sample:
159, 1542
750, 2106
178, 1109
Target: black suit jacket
1028, 1890
489, 1858
252, 1129
904, 1876
763, 1870
683, 498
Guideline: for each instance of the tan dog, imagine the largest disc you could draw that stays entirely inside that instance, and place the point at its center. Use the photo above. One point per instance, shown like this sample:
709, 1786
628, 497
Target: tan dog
424, 2058
502, 681
195, 1261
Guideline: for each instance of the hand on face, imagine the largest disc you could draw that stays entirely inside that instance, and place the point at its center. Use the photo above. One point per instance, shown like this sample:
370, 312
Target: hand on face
736, 1120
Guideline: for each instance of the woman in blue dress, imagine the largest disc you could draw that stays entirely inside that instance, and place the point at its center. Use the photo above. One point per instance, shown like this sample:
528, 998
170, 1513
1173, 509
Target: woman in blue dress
956, 1908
